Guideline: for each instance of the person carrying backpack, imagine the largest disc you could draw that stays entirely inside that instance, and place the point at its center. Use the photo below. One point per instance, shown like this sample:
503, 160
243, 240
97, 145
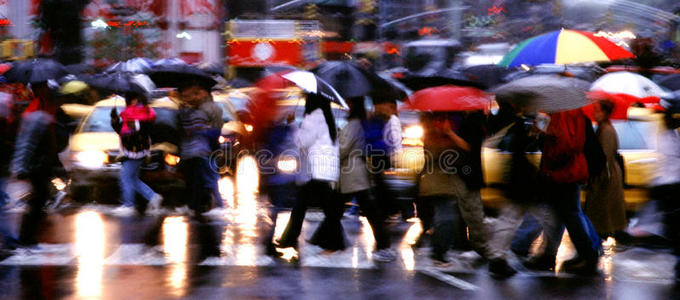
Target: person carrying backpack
134, 128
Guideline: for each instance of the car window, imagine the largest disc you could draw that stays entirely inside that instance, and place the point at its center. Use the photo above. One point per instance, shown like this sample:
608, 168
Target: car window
227, 115
635, 135
98, 121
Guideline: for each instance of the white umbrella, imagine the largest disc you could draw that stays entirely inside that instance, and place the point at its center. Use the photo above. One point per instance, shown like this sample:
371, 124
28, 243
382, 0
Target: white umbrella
628, 83
311, 83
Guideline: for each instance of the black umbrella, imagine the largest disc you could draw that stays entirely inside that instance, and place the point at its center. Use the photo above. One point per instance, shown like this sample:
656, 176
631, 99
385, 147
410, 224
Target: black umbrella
351, 81
239, 82
178, 75
212, 68
423, 80
119, 83
671, 82
348, 79
487, 75
77, 69
35, 70
134, 65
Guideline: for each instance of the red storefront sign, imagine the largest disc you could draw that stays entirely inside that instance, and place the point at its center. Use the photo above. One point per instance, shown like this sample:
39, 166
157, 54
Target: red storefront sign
252, 53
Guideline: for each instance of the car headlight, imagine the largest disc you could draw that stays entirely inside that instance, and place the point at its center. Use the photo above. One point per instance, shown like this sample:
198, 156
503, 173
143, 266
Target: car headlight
221, 139
248, 127
413, 132
91, 159
171, 160
413, 136
287, 164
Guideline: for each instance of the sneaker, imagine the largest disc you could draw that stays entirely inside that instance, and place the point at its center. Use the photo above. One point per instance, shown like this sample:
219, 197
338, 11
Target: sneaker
155, 202
500, 269
580, 266
124, 211
384, 255
215, 212
184, 210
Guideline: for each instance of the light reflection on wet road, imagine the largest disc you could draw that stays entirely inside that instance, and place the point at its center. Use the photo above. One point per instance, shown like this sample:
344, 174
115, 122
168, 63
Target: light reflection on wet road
174, 256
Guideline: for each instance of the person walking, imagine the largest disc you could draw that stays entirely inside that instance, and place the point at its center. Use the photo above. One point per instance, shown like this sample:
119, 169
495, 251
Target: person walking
354, 179
604, 196
7, 134
134, 128
201, 123
565, 168
437, 186
316, 140
35, 156
666, 184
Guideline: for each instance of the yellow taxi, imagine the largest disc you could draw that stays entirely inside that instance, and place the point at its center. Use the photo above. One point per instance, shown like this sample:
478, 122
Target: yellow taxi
91, 155
637, 144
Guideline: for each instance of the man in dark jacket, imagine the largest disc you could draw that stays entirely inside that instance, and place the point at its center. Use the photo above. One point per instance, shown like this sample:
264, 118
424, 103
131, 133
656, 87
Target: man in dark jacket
7, 133
35, 156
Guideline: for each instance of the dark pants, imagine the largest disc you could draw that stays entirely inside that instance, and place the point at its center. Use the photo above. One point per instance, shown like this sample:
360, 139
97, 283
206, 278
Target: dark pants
8, 238
565, 200
329, 234
444, 222
198, 191
667, 199
35, 216
374, 216
525, 235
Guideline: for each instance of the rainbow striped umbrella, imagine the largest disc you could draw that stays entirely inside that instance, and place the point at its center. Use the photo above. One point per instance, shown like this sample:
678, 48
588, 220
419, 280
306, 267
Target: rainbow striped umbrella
564, 47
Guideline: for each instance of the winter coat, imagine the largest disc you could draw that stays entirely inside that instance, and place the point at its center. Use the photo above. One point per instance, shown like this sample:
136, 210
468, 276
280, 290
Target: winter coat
319, 157
563, 159
36, 145
437, 176
134, 128
604, 197
201, 129
353, 172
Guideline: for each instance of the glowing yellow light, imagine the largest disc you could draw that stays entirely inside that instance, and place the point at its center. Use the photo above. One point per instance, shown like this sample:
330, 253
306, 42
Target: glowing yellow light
175, 238
89, 248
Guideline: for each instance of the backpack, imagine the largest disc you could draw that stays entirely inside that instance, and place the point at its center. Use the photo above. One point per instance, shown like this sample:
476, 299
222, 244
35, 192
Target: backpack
595, 157
376, 149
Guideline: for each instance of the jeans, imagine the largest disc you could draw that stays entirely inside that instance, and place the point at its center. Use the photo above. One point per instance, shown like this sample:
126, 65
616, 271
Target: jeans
567, 207
131, 184
9, 240
527, 232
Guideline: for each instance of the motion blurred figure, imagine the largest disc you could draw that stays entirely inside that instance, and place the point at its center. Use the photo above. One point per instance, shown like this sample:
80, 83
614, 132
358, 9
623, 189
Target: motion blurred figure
134, 128
604, 197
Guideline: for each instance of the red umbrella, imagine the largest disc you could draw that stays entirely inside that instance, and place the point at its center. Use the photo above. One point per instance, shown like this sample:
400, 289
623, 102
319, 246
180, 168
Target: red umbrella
621, 103
448, 98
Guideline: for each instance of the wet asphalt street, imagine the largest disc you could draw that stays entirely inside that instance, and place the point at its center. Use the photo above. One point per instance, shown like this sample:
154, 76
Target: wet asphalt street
86, 253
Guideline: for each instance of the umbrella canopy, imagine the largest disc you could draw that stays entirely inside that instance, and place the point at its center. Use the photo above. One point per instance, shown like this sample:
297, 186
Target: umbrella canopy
169, 61
35, 70
621, 104
549, 93
419, 81
179, 74
310, 83
671, 82
448, 98
564, 47
120, 83
77, 69
629, 83
487, 75
351, 80
134, 65
212, 68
